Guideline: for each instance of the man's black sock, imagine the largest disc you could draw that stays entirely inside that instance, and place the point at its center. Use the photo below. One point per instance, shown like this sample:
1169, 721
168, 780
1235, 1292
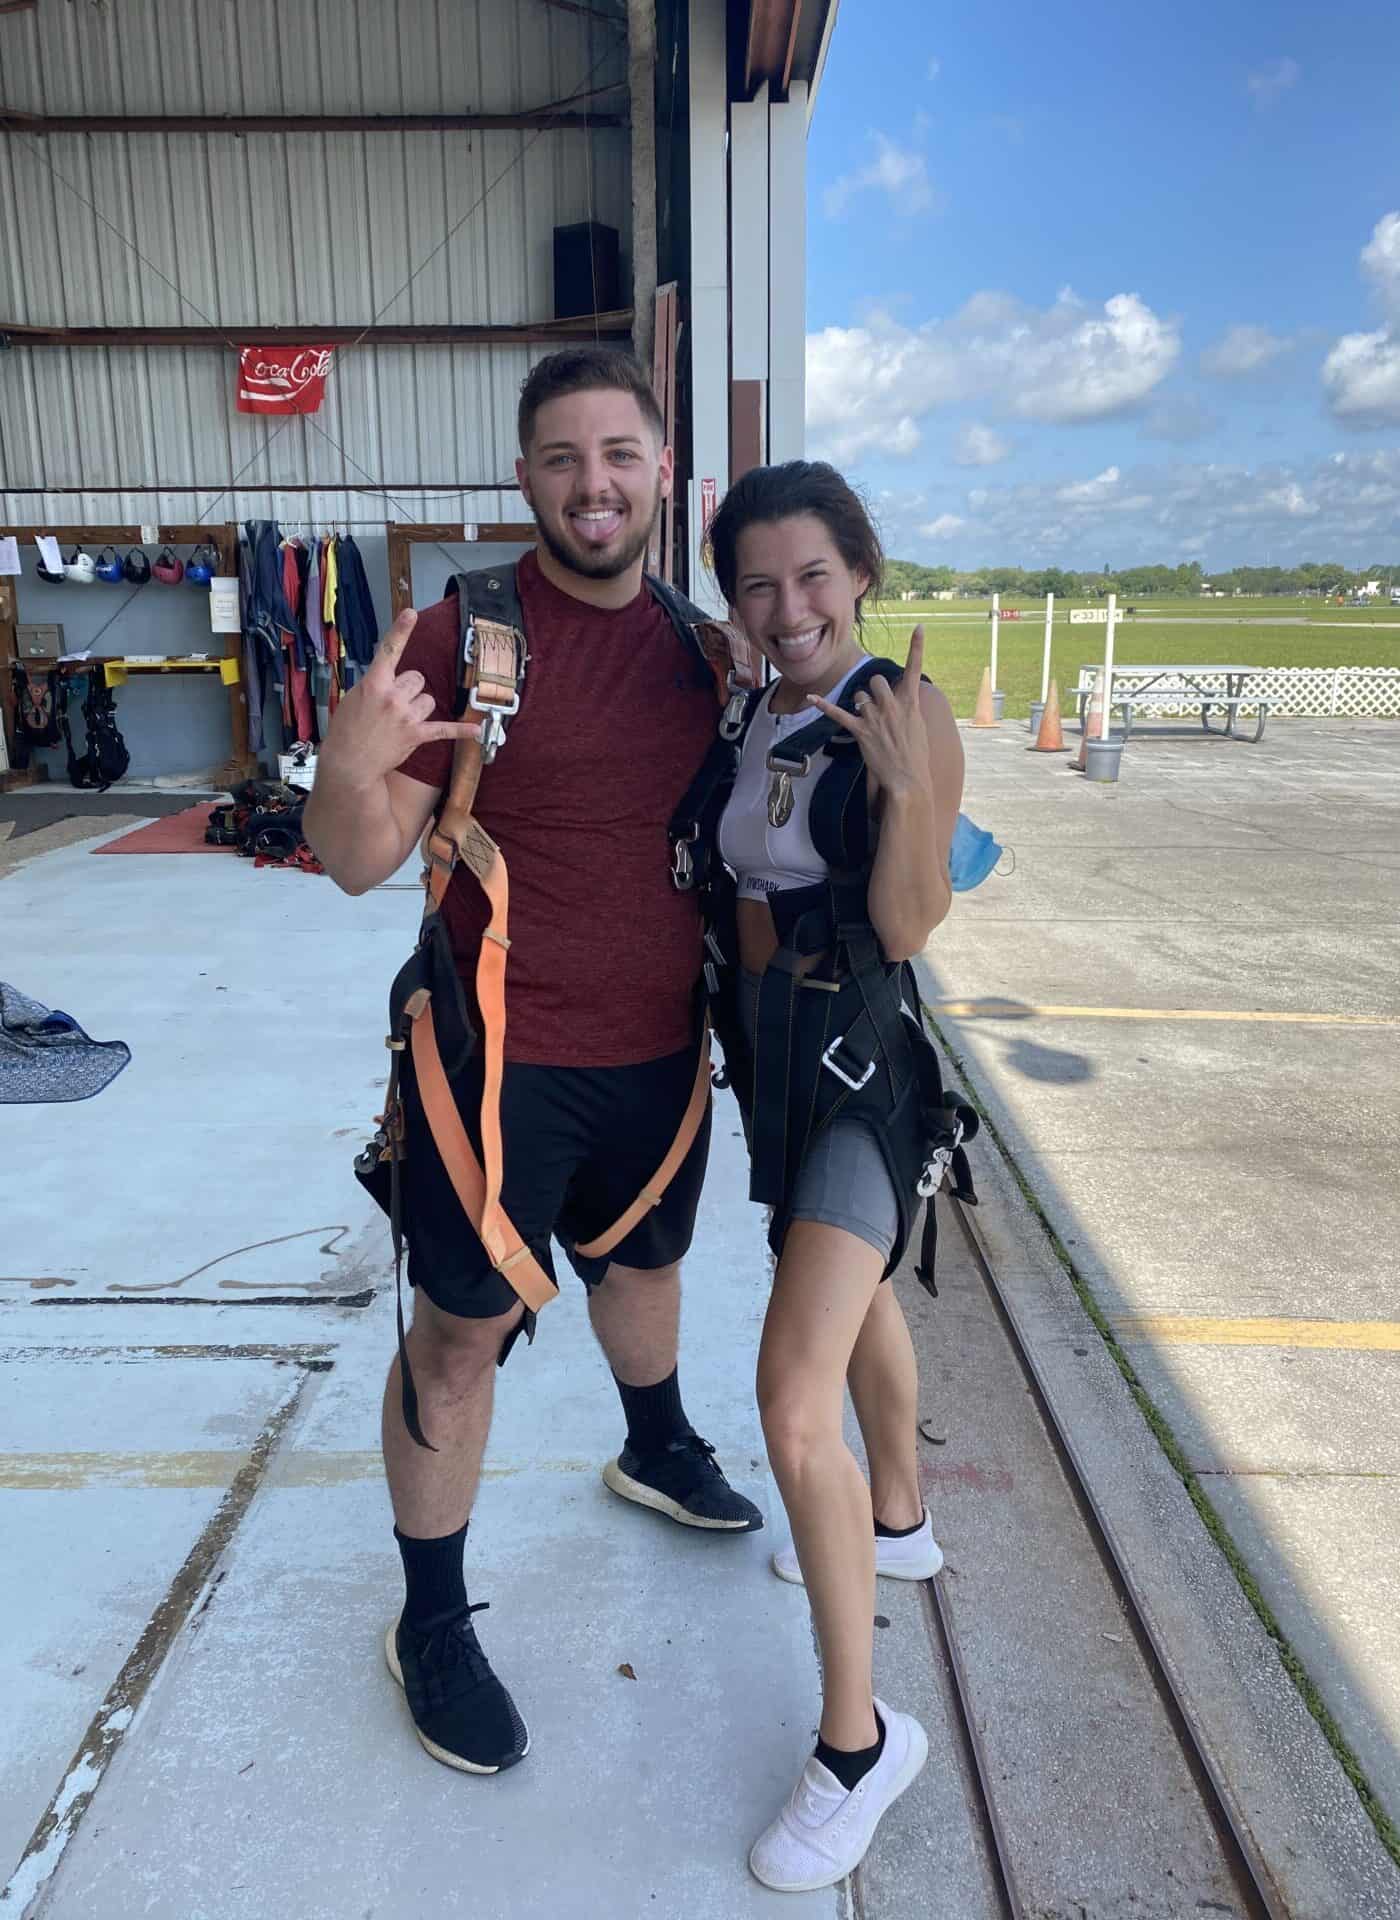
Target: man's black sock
432, 1571
655, 1415
851, 1768
882, 1532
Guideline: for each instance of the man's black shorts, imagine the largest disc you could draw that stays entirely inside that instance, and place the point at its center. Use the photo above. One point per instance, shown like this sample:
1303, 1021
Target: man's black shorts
579, 1144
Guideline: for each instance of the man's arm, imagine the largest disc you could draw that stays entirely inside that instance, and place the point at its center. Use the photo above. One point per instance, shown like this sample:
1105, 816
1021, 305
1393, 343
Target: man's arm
364, 817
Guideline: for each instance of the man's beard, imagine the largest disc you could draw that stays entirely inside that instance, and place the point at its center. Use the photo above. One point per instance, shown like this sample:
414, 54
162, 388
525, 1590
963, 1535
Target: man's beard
593, 564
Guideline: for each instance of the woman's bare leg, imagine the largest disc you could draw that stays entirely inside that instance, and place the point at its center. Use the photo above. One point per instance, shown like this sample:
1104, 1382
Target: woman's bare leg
825, 1283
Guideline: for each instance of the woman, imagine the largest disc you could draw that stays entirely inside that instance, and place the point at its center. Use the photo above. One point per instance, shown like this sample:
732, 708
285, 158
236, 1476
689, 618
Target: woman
831, 806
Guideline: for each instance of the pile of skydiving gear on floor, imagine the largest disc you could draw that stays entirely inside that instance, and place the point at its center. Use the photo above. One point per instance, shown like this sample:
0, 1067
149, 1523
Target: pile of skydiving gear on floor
44, 706
309, 626
45, 1055
840, 1031
263, 821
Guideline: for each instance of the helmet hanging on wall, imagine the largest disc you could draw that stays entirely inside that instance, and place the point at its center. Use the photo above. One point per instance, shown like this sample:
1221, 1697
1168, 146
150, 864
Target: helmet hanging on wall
81, 569
55, 579
199, 568
167, 569
136, 568
109, 568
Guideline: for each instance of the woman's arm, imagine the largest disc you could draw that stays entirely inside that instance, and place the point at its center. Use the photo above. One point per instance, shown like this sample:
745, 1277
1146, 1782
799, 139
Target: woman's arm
909, 740
909, 887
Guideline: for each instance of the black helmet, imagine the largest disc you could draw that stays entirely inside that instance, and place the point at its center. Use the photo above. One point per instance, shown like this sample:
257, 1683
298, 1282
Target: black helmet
136, 567
57, 579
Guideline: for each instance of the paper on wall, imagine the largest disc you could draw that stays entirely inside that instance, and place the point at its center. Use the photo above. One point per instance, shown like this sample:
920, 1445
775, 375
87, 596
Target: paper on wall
224, 616
9, 555
48, 552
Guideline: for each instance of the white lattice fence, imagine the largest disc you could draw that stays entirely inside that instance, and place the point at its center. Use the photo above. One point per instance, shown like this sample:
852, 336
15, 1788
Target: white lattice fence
1305, 692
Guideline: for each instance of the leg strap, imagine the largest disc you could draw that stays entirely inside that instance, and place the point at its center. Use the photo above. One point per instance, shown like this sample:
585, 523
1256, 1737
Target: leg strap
515, 1262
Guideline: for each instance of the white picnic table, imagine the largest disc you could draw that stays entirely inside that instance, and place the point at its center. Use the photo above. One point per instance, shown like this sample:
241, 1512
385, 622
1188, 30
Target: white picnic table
1181, 684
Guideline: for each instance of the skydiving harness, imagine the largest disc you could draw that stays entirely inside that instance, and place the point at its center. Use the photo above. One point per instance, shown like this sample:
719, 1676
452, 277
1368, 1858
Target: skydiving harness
428, 1018
845, 1039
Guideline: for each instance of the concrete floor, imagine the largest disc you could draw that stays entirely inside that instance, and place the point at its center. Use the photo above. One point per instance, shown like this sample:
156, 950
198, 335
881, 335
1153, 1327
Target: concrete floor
194, 1323
1195, 1061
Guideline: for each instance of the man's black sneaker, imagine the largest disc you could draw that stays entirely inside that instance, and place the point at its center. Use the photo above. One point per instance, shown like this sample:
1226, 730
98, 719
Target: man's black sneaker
682, 1481
461, 1712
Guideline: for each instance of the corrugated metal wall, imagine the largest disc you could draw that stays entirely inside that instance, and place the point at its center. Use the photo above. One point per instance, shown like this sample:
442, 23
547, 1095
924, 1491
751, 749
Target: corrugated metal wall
282, 229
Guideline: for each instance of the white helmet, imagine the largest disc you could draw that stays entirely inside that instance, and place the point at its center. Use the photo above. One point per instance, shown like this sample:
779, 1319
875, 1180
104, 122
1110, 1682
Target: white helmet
81, 569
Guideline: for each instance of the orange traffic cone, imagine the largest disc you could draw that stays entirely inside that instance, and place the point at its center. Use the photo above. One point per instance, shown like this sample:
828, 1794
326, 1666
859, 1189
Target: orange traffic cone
1051, 737
1093, 726
984, 714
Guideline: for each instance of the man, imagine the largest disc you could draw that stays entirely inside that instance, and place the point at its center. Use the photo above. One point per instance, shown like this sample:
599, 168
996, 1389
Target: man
600, 1038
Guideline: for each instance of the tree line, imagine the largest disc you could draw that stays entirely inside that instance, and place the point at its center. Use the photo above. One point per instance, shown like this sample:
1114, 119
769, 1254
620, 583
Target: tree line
1313, 576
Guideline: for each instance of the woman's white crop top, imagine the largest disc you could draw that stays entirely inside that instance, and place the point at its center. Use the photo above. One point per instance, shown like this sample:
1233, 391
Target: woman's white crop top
767, 859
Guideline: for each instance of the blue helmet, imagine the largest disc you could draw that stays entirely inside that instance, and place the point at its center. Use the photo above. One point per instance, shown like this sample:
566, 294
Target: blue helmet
199, 568
109, 568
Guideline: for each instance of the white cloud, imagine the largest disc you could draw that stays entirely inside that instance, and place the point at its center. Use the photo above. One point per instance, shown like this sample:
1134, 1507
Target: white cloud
1242, 350
868, 387
935, 67
1380, 260
1345, 507
1097, 489
1268, 83
976, 446
1361, 374
900, 172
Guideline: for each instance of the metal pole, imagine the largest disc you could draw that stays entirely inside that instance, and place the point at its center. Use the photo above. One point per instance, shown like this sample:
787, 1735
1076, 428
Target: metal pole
1108, 666
1045, 664
996, 623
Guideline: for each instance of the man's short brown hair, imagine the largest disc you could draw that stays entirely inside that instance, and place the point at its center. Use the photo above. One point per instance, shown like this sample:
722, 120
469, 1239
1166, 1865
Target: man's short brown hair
586, 370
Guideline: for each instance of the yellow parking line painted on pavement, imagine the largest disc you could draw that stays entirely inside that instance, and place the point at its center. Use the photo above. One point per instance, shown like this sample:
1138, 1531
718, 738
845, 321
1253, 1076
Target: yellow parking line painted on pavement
1024, 1010
211, 1467
1199, 1330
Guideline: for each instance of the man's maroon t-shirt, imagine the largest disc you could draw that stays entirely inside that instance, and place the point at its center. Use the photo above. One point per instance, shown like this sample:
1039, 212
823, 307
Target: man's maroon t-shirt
615, 719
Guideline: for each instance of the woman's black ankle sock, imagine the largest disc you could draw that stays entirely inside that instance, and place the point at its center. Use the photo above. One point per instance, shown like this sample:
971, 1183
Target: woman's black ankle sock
432, 1571
882, 1532
655, 1415
851, 1768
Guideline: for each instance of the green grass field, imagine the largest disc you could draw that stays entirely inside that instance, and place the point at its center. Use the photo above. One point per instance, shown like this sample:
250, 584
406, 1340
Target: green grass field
1262, 633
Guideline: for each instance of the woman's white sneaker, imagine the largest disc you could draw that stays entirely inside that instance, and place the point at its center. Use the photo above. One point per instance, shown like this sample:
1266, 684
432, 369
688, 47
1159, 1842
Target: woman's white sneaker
823, 1833
910, 1556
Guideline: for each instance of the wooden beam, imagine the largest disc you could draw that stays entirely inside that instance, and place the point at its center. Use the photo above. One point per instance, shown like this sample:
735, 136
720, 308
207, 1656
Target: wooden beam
579, 327
772, 42
402, 536
641, 80
280, 486
14, 121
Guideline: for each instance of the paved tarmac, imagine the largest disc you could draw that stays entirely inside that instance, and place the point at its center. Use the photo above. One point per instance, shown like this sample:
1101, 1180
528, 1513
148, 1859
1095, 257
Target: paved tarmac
194, 1323
1182, 1011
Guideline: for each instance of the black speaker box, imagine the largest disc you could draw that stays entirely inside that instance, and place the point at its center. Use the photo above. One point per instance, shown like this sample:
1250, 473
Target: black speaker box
585, 270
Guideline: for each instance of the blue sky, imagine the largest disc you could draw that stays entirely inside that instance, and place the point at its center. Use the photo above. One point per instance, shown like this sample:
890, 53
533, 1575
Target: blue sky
1098, 285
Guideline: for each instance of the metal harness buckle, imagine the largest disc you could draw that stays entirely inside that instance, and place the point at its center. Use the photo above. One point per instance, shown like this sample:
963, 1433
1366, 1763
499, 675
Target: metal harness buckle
683, 863
937, 1164
493, 721
841, 1074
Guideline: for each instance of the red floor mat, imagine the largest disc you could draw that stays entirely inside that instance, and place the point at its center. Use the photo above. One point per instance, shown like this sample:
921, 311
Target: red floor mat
176, 833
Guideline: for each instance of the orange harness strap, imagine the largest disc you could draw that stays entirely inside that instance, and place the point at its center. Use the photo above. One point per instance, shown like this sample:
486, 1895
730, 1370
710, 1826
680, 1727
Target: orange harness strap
493, 689
650, 1195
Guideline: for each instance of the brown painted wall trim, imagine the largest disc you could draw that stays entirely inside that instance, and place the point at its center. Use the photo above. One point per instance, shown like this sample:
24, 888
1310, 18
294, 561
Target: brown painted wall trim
581, 327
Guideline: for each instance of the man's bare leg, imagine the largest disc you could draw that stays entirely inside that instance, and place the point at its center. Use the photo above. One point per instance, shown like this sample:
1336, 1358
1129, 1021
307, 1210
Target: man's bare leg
454, 1369
635, 1314
462, 1713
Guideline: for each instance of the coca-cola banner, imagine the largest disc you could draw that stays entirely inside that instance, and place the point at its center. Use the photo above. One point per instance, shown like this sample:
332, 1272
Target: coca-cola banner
282, 379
